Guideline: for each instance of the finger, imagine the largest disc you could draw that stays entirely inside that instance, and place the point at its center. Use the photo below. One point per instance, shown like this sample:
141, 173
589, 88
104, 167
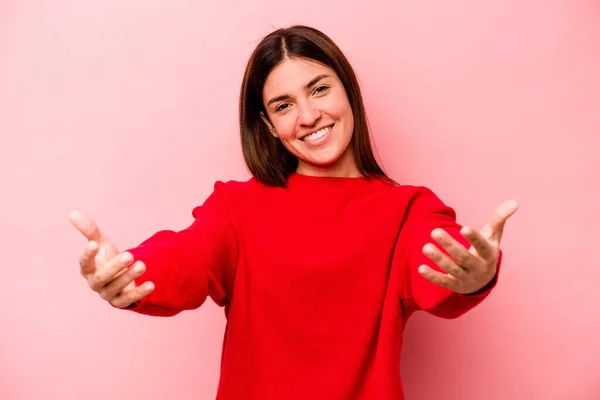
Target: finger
438, 278
131, 296
501, 214
86, 226
87, 258
481, 245
443, 261
455, 249
103, 276
113, 288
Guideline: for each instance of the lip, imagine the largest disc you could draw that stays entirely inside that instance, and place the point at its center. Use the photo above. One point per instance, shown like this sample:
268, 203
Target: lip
321, 139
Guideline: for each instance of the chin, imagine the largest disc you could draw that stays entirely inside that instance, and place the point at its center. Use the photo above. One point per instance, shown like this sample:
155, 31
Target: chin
322, 160
325, 164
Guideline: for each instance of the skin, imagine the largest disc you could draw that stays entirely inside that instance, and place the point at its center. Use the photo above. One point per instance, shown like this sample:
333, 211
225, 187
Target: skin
108, 272
301, 97
468, 270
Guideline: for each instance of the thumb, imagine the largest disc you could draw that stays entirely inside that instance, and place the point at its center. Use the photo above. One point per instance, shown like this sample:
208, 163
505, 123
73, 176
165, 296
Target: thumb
86, 226
487, 232
500, 216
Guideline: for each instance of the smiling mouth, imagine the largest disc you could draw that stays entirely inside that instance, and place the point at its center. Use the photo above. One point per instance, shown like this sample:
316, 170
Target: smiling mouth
318, 134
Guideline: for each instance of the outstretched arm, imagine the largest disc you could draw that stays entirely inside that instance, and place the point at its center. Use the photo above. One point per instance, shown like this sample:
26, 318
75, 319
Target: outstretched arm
448, 269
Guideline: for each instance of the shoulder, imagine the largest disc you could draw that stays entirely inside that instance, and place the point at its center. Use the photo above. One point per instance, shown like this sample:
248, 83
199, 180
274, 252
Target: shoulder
241, 193
239, 188
422, 200
418, 193
225, 195
417, 200
412, 193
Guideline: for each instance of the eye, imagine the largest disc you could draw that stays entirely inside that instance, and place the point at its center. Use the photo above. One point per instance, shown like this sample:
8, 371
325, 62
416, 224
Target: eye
321, 89
282, 107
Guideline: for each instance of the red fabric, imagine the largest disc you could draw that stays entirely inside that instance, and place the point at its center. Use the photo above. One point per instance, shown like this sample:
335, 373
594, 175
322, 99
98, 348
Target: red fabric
317, 280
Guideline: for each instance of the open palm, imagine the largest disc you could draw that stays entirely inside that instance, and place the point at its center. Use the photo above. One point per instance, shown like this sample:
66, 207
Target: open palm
107, 271
468, 271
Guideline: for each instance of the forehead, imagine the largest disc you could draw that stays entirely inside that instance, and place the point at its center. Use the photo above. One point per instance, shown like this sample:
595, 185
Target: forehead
292, 75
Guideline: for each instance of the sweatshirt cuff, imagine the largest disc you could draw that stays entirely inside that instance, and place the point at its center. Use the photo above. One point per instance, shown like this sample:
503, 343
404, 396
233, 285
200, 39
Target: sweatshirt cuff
484, 290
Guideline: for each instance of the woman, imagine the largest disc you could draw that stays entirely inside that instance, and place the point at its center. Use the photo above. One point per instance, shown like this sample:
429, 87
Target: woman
320, 258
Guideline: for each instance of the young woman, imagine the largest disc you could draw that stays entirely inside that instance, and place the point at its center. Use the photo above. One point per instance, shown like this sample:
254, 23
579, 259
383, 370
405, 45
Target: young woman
319, 259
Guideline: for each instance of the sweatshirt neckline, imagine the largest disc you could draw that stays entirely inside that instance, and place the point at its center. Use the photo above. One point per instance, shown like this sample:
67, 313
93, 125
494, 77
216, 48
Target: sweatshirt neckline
328, 184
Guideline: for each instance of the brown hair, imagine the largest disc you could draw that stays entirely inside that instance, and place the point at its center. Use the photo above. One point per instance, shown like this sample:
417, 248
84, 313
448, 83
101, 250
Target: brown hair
265, 156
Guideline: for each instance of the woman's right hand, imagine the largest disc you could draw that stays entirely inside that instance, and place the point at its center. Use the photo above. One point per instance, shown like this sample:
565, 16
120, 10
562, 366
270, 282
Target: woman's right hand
106, 270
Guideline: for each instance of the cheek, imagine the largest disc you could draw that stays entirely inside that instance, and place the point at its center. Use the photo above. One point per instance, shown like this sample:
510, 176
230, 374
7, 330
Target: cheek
348, 115
350, 118
285, 128
340, 107
345, 114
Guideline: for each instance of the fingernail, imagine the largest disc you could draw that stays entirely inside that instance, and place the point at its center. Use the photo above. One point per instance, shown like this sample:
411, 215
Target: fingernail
437, 234
126, 257
427, 249
149, 285
139, 267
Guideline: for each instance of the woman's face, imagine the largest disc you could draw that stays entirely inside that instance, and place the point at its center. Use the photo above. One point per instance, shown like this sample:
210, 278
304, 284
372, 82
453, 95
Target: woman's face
309, 111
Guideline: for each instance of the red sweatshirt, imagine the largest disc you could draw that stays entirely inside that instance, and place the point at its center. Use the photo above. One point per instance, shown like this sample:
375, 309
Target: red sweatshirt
317, 281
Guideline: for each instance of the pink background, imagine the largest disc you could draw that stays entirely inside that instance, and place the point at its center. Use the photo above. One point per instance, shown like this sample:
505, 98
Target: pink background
128, 110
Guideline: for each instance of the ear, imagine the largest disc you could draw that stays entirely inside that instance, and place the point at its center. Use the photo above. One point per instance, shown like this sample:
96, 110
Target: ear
268, 123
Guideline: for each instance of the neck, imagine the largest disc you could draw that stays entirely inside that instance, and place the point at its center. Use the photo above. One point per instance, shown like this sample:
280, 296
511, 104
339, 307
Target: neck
344, 167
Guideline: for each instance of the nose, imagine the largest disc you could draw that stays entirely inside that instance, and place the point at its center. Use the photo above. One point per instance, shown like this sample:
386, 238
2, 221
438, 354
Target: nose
308, 114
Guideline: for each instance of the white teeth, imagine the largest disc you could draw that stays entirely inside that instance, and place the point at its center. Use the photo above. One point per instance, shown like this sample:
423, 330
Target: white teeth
317, 135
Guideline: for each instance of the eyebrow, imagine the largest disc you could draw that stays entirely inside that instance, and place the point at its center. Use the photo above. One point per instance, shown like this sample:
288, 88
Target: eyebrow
308, 85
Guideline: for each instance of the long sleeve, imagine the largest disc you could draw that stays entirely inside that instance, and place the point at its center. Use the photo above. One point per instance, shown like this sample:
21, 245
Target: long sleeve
425, 213
190, 265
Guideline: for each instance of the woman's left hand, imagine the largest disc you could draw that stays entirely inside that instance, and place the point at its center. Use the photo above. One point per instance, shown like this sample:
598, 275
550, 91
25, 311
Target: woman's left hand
468, 271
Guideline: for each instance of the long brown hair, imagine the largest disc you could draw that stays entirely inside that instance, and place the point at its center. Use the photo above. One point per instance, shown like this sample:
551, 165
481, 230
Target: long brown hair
265, 156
